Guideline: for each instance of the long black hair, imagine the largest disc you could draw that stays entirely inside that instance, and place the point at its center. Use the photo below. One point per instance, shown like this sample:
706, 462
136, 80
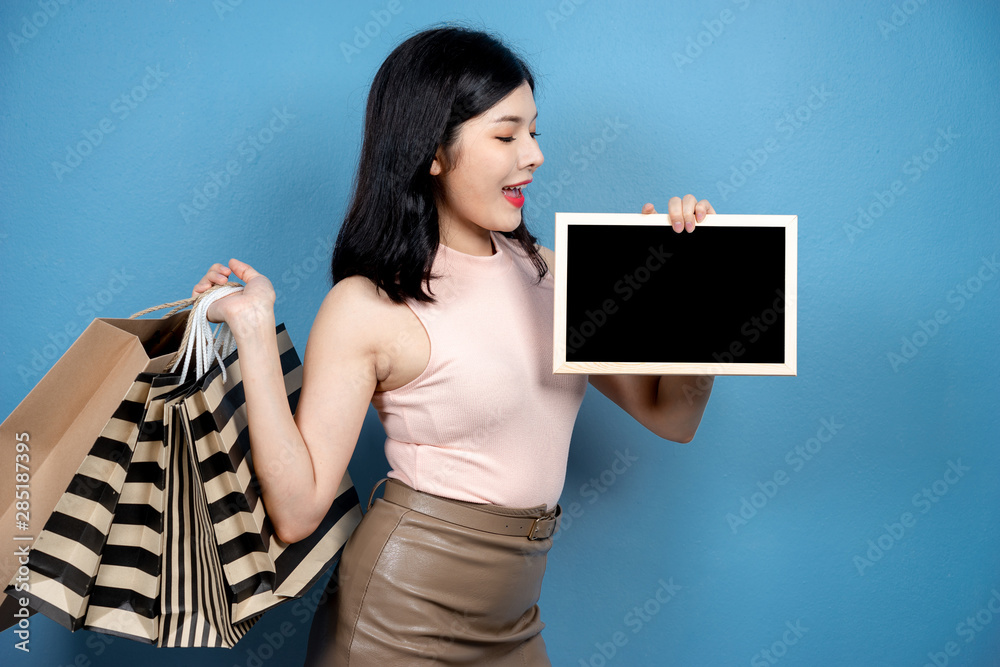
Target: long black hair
427, 87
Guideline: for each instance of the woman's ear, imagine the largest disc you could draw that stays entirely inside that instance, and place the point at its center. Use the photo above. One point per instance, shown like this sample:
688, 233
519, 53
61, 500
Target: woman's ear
438, 164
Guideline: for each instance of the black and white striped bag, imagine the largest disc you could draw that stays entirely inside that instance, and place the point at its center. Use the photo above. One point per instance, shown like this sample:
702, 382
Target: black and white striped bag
260, 570
64, 561
171, 544
126, 598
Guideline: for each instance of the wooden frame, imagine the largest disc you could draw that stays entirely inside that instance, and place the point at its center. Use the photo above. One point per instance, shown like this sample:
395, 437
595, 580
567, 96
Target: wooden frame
744, 265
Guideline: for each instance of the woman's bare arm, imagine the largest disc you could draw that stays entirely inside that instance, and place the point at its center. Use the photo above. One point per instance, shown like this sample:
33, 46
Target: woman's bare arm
301, 460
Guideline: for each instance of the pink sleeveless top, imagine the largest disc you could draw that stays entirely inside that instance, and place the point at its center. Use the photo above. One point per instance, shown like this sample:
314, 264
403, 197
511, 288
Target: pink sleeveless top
487, 421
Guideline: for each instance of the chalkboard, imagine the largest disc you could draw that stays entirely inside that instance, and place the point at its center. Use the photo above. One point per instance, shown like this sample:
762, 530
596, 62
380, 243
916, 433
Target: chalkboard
634, 296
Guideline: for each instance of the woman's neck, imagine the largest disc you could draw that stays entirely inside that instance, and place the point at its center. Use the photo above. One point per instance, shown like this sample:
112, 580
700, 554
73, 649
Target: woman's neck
470, 243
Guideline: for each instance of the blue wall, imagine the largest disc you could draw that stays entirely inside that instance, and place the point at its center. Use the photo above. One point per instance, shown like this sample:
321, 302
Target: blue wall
878, 121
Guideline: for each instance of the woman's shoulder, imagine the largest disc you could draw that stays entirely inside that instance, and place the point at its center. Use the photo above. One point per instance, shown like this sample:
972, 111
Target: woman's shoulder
358, 315
356, 287
357, 299
352, 313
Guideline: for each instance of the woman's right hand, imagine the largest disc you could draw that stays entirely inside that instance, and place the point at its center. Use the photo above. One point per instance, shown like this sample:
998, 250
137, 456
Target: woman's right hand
242, 309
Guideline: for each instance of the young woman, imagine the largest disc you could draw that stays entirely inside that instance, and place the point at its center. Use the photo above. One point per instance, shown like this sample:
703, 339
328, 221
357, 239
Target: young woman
447, 567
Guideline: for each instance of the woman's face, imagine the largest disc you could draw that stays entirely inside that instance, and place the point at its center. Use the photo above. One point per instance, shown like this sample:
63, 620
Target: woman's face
482, 176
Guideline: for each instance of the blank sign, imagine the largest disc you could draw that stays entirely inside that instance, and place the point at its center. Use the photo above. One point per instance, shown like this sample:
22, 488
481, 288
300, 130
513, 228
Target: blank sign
634, 296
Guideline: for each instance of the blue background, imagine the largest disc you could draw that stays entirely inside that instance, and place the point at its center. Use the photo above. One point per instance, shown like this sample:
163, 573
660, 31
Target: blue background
850, 98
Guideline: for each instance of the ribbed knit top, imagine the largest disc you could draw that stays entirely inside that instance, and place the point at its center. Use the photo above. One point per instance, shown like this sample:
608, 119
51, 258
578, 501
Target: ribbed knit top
487, 420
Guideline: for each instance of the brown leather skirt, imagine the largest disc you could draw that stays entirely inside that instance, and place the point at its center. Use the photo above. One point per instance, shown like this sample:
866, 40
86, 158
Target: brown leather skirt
427, 580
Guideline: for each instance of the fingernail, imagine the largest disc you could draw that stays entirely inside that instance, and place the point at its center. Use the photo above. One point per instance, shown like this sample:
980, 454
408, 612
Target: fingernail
678, 226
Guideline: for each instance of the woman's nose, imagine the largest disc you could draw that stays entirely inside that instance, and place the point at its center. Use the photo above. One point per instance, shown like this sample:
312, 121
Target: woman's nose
532, 157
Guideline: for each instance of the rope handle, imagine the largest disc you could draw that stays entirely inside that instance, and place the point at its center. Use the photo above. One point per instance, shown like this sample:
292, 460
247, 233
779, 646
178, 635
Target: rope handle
199, 341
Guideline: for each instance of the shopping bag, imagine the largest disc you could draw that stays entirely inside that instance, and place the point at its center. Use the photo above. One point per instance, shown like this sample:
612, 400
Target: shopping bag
125, 600
195, 607
57, 423
260, 570
154, 582
227, 513
239, 568
158, 558
63, 561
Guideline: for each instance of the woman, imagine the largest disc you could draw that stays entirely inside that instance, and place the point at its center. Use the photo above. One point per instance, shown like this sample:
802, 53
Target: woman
447, 567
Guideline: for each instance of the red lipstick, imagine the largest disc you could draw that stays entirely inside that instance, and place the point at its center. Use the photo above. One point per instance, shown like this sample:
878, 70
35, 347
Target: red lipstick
513, 193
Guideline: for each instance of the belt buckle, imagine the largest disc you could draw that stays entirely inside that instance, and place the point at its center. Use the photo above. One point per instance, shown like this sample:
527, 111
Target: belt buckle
542, 528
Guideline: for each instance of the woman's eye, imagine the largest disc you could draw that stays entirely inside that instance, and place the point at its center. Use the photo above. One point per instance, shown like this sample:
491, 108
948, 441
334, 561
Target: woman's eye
507, 140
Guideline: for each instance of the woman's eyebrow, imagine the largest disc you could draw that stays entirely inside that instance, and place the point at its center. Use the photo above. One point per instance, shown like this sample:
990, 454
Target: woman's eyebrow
512, 119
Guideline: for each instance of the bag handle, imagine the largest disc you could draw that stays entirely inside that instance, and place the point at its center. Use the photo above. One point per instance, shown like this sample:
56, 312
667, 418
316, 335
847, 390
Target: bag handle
198, 337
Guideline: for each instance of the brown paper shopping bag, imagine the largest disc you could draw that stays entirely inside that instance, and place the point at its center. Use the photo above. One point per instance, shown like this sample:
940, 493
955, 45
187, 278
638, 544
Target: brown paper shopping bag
82, 570
59, 421
64, 558
161, 535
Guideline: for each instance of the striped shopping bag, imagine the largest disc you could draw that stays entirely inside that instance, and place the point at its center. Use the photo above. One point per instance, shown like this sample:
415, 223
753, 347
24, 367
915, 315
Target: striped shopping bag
64, 415
226, 565
63, 564
260, 570
162, 536
125, 601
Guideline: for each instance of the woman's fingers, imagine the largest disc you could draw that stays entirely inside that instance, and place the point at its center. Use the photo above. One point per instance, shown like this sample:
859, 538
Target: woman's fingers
688, 204
675, 213
702, 209
217, 275
243, 271
220, 274
686, 213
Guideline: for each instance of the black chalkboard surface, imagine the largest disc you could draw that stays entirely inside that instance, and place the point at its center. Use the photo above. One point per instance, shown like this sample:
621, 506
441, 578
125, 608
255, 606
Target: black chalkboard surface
633, 296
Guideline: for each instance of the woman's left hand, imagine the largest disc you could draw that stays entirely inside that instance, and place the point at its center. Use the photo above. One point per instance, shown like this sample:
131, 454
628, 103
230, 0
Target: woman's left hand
684, 213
